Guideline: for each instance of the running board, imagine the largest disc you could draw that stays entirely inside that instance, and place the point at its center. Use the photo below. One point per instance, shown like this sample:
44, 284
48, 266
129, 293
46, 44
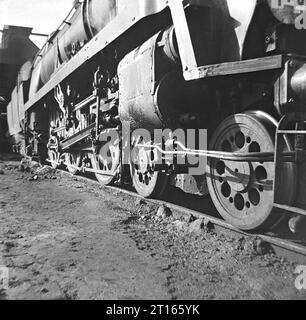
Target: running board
234, 68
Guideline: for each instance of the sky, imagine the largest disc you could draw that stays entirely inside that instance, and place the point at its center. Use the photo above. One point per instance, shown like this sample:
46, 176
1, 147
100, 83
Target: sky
44, 16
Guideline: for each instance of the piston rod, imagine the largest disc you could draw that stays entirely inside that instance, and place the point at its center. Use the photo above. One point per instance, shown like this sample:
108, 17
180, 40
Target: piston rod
226, 156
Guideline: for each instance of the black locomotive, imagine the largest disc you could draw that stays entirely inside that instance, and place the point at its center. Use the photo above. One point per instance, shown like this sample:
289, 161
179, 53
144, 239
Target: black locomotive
115, 68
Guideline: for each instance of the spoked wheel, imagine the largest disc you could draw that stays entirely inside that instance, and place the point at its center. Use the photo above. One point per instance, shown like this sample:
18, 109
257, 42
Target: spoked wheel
107, 160
73, 161
53, 153
146, 181
242, 191
54, 158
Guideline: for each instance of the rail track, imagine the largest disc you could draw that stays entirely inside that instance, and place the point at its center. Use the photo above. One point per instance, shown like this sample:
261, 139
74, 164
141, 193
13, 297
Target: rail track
285, 246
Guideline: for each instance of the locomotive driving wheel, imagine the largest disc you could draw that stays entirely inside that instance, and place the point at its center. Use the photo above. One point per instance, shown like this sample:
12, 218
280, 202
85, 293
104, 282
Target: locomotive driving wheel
53, 153
107, 161
73, 161
243, 192
53, 158
146, 181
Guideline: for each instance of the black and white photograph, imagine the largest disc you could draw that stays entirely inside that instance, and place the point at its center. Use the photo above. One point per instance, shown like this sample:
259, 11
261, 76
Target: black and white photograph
153, 153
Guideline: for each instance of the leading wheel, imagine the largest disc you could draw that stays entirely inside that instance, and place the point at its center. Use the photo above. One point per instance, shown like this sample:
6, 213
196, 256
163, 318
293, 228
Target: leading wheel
53, 158
107, 162
53, 153
73, 161
146, 181
243, 192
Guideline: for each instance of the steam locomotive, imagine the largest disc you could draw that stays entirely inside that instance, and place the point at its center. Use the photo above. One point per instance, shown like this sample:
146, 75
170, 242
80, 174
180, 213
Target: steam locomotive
236, 68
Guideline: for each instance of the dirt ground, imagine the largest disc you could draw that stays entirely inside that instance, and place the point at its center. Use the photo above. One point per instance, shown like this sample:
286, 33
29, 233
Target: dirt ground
62, 238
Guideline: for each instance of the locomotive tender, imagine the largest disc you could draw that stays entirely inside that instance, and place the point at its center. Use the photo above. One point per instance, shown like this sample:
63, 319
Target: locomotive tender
15, 49
234, 67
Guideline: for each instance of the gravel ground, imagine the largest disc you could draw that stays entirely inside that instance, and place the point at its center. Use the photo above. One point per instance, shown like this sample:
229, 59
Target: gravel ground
62, 238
